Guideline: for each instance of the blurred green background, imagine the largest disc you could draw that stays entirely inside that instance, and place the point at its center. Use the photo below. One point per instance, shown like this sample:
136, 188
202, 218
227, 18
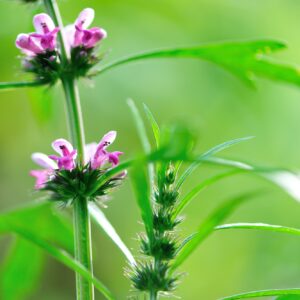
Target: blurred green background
215, 104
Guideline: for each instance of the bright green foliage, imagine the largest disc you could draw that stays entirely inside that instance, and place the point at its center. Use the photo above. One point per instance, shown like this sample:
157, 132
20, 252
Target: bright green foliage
264, 293
207, 227
289, 297
18, 277
245, 59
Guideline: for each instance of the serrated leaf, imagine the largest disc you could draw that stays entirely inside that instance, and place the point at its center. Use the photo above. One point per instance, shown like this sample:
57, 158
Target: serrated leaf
263, 293
101, 220
244, 59
207, 227
19, 278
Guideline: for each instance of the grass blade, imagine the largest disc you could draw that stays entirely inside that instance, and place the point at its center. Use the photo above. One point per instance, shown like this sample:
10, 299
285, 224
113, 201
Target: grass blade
207, 227
103, 222
264, 293
260, 226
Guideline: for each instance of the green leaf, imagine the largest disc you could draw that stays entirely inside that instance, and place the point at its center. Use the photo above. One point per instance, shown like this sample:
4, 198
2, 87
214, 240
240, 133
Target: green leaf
142, 191
289, 297
40, 224
140, 126
101, 220
62, 256
260, 226
244, 59
264, 293
207, 227
197, 189
20, 278
208, 154
24, 84
154, 125
42, 219
288, 181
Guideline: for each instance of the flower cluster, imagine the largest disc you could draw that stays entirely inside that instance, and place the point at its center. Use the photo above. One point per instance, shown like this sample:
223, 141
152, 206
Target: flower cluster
67, 180
42, 54
154, 275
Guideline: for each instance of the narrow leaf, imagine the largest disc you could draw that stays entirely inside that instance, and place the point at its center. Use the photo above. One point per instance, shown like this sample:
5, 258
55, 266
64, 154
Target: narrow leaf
154, 125
104, 223
264, 293
140, 126
142, 191
197, 189
24, 84
260, 226
253, 59
208, 154
288, 181
289, 297
207, 227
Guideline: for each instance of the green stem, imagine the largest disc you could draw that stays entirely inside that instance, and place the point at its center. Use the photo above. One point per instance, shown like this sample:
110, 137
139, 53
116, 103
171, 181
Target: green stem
153, 295
74, 114
81, 219
83, 252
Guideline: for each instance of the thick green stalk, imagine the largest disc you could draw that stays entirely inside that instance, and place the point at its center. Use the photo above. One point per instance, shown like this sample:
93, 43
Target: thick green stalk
82, 239
153, 295
81, 219
74, 114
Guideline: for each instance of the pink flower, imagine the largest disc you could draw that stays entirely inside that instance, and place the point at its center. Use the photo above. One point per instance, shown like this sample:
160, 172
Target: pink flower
78, 34
98, 156
67, 157
44, 39
42, 176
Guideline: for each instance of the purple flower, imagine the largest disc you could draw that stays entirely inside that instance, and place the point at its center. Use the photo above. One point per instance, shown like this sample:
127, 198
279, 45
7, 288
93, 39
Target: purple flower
97, 154
42, 176
78, 34
44, 39
67, 157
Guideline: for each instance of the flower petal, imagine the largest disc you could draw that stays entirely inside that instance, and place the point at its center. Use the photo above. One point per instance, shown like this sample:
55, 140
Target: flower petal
113, 157
43, 23
92, 36
42, 176
89, 152
43, 160
25, 42
62, 146
85, 18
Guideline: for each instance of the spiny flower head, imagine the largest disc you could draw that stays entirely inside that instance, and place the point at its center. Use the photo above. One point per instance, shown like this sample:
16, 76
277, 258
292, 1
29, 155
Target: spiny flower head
67, 180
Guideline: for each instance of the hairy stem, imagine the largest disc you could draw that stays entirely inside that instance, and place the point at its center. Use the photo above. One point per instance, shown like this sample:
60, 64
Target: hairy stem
81, 219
